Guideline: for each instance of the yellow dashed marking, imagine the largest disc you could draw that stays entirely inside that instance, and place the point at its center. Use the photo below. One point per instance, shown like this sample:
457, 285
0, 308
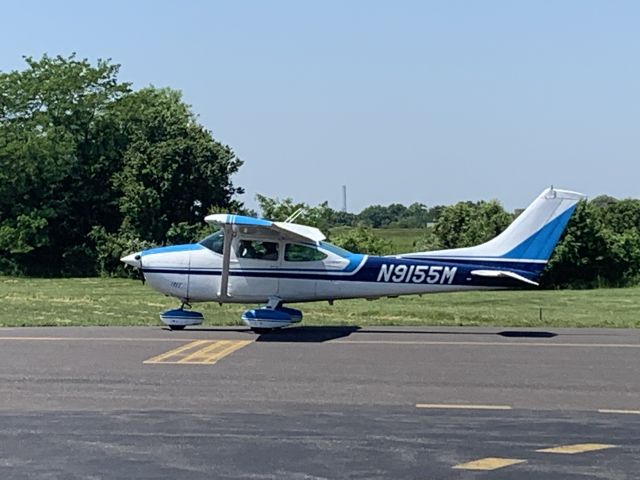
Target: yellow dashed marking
463, 406
489, 463
577, 448
200, 352
214, 352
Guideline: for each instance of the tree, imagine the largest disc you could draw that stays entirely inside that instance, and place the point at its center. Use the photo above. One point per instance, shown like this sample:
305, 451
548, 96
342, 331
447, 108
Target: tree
87, 166
173, 170
320, 216
467, 223
56, 154
362, 240
378, 216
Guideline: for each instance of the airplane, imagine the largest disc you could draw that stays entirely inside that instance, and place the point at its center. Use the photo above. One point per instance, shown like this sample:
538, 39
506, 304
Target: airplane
253, 260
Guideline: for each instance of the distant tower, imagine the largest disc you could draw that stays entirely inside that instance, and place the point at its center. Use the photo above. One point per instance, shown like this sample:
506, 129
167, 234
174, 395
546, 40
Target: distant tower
344, 198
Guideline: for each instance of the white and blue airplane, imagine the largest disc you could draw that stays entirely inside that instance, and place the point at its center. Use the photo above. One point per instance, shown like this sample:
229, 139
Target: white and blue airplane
251, 260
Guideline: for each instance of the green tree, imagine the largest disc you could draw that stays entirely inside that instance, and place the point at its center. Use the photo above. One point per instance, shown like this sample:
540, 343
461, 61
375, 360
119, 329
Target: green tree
467, 223
579, 259
55, 156
173, 170
88, 166
362, 240
320, 216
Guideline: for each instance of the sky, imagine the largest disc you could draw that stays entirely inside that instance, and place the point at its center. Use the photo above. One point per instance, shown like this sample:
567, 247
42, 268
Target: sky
402, 101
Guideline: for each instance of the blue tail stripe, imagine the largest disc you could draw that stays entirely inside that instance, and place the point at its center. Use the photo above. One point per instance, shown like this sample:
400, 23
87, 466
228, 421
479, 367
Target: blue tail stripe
540, 245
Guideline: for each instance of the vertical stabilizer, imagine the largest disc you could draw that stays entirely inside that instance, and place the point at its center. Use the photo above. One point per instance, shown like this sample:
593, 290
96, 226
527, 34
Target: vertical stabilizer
531, 237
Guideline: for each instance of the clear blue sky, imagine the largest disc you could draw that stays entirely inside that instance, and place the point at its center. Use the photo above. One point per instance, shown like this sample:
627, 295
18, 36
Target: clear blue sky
402, 101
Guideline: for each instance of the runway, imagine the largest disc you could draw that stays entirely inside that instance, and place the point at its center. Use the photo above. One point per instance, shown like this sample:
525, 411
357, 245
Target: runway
314, 402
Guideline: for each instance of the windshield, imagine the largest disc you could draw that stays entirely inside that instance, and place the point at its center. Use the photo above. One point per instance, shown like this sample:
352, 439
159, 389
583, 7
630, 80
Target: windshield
214, 242
337, 250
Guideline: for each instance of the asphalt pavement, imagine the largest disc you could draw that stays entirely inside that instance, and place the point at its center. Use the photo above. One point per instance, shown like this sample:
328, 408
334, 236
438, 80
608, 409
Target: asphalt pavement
320, 402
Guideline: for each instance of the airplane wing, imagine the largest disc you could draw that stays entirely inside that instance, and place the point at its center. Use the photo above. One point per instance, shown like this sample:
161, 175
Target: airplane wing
293, 231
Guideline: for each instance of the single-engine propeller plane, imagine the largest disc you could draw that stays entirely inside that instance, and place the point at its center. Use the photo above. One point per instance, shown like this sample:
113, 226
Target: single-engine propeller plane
252, 260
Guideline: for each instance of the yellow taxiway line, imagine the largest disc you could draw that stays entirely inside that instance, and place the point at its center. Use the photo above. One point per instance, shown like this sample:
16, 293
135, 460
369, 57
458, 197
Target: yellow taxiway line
486, 344
96, 339
346, 342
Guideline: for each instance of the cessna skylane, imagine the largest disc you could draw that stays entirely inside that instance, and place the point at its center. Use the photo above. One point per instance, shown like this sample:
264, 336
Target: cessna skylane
252, 260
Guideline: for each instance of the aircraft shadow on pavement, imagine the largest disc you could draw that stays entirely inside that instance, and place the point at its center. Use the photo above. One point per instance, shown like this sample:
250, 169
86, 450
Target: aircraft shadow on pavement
324, 334
525, 334
319, 334
307, 334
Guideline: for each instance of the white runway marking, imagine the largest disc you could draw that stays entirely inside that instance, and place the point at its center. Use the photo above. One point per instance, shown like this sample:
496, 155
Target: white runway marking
615, 410
463, 406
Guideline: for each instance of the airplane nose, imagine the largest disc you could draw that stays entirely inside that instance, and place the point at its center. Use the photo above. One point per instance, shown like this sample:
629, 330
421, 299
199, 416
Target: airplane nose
133, 259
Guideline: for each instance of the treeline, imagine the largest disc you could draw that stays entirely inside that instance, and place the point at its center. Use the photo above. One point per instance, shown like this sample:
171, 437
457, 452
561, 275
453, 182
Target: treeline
395, 215
90, 168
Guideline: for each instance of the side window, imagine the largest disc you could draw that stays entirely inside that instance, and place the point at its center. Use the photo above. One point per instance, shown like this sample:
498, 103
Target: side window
301, 253
257, 249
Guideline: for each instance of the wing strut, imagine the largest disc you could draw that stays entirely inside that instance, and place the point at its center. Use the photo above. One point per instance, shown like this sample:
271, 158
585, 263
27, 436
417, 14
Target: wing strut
226, 260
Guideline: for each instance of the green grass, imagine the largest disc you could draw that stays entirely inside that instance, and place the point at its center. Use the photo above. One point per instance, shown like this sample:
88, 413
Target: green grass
108, 301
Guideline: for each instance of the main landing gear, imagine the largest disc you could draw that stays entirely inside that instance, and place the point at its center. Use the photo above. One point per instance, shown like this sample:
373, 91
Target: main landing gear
178, 318
261, 320
270, 317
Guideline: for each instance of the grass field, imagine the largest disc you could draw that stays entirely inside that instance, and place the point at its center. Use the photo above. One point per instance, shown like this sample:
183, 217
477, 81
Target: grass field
106, 301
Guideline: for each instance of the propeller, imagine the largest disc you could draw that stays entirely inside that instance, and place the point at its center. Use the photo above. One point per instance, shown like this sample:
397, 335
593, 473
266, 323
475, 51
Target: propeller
140, 271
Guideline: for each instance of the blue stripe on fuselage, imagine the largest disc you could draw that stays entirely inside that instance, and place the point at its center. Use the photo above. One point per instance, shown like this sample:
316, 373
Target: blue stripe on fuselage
173, 248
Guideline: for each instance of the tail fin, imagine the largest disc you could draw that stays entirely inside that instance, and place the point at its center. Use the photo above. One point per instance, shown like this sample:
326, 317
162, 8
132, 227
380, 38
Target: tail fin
531, 237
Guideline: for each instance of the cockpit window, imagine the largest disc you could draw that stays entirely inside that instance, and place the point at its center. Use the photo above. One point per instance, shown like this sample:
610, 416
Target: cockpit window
302, 253
257, 250
214, 242
337, 250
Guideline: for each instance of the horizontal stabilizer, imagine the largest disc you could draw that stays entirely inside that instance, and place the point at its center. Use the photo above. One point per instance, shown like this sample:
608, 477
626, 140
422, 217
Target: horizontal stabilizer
502, 274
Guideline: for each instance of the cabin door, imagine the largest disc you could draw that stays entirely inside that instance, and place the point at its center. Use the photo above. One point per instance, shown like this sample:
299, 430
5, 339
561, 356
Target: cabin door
253, 270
